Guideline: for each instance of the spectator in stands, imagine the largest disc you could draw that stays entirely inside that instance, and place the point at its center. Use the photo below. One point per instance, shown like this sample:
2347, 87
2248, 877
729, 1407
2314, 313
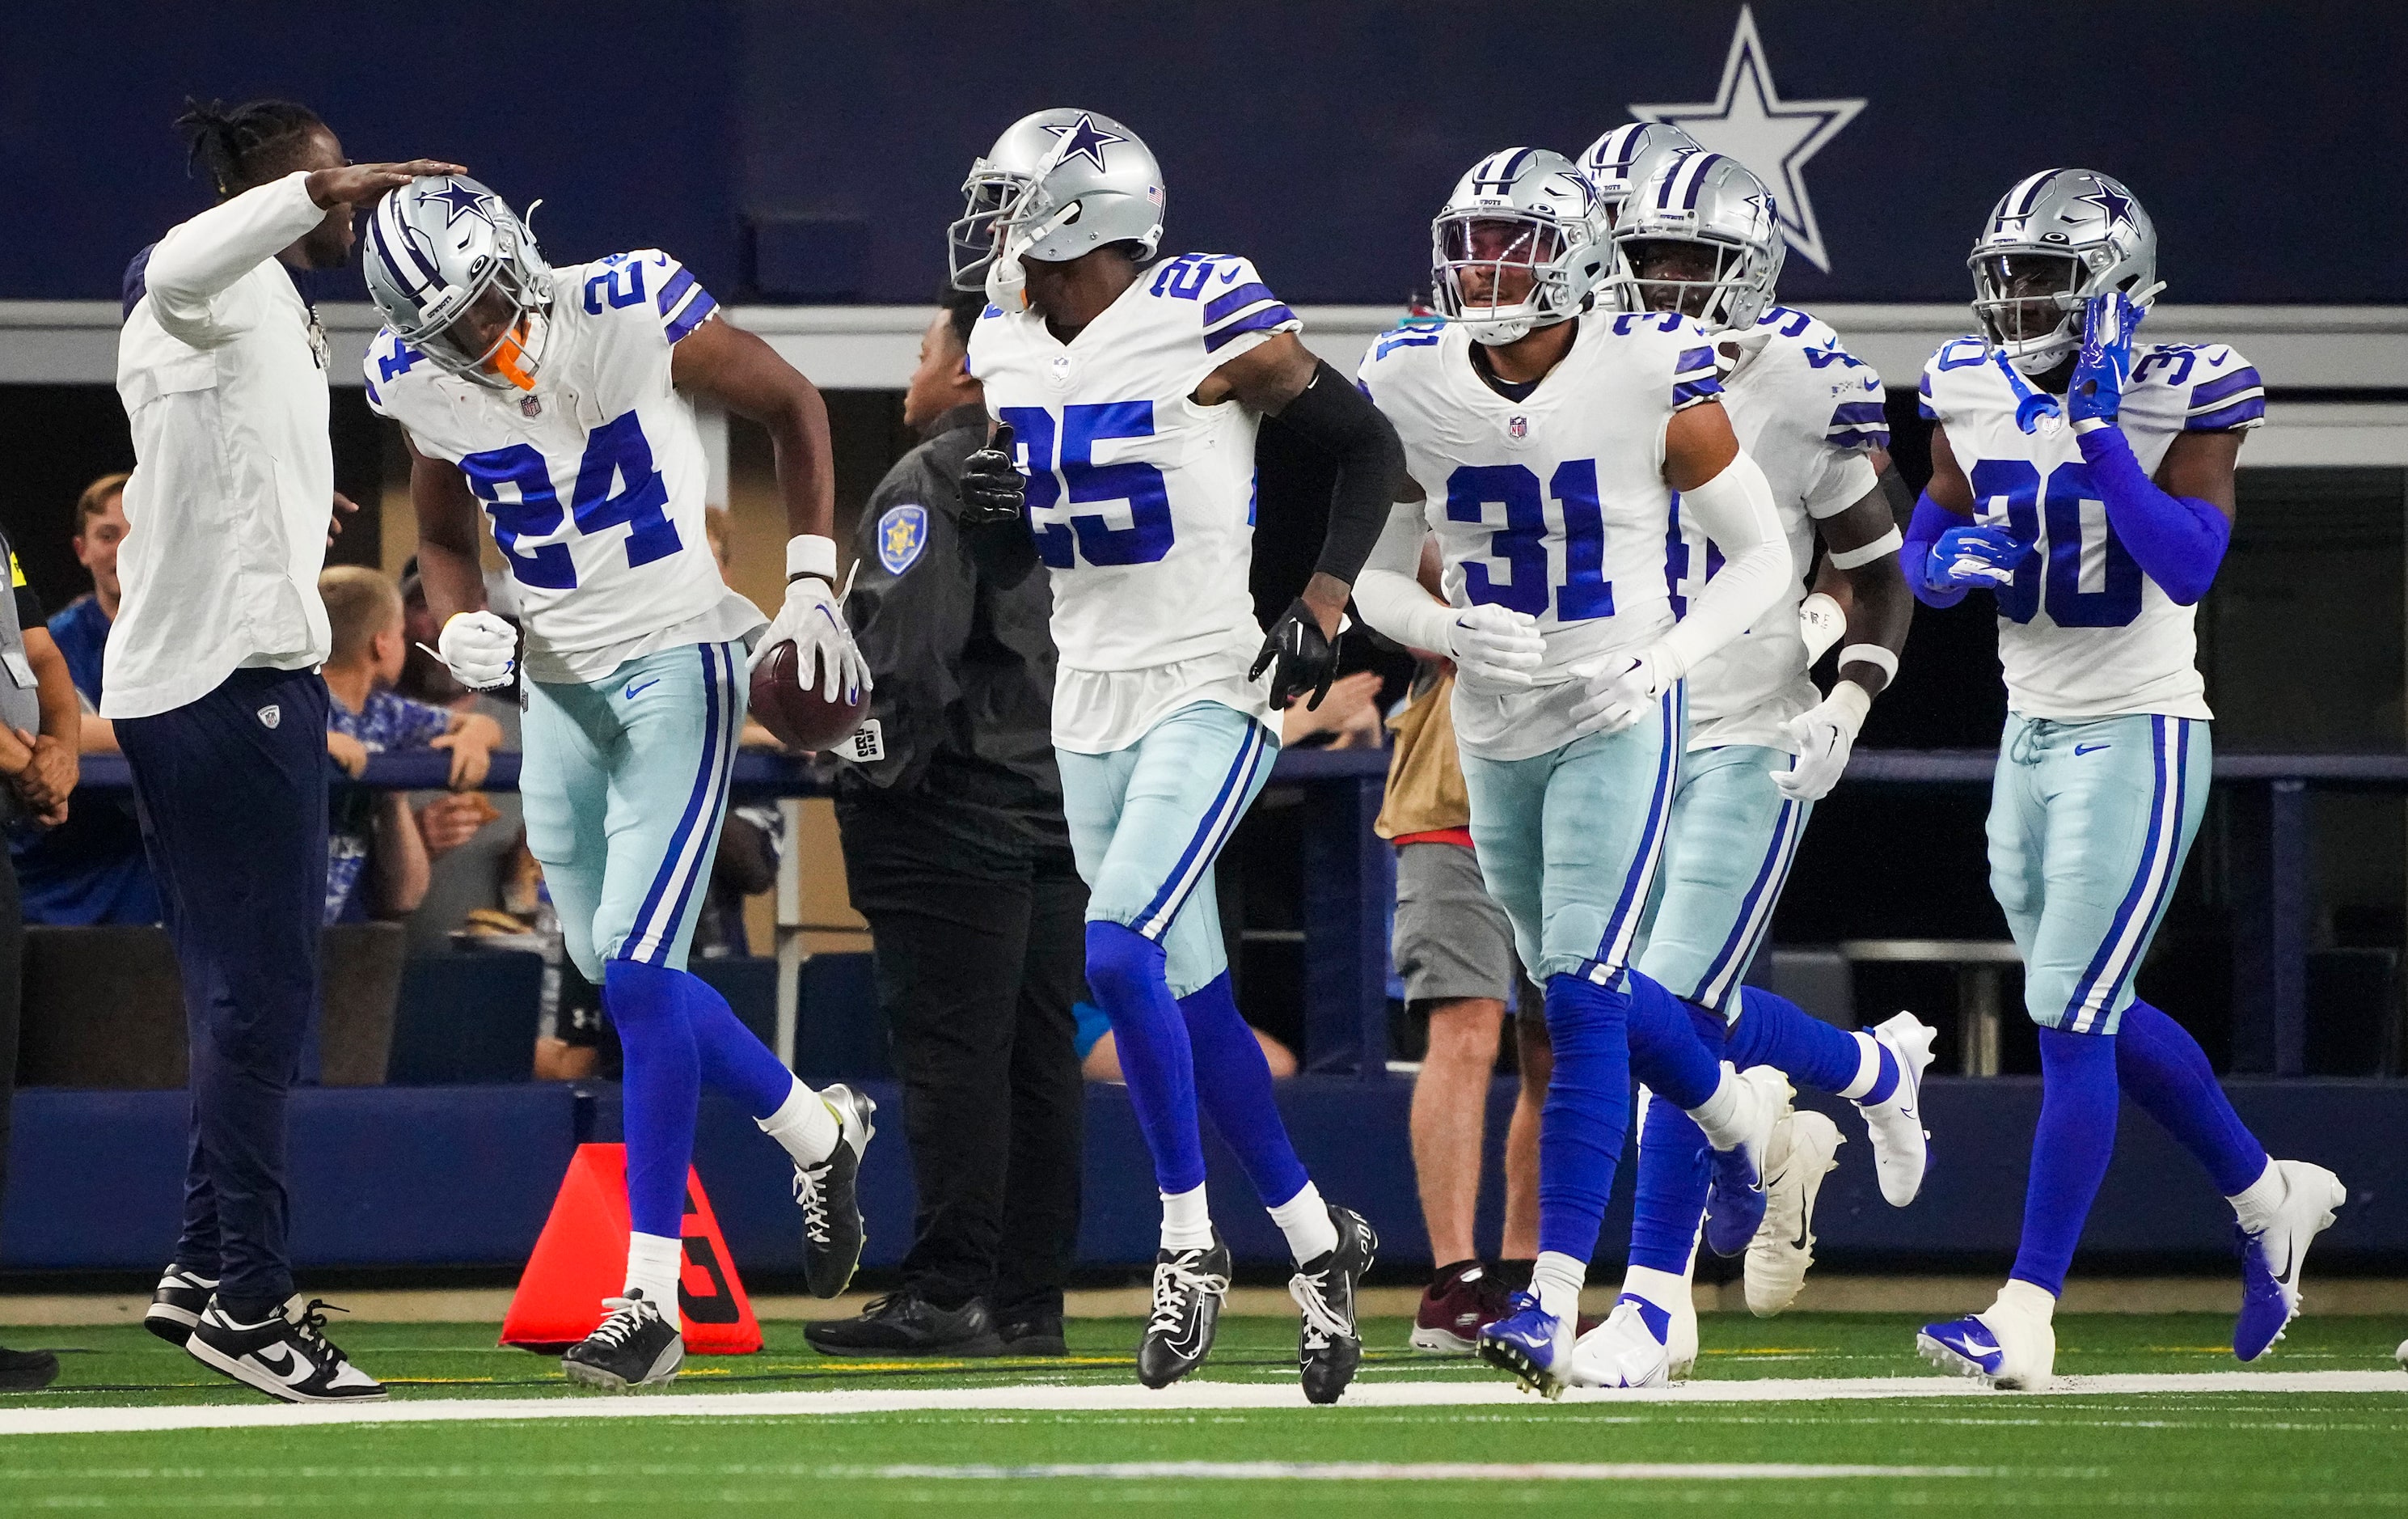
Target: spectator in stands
1347, 718
957, 854
373, 835
89, 869
1099, 1059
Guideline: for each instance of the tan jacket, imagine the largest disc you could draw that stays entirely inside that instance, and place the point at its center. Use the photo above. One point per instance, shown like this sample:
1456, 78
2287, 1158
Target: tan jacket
1425, 791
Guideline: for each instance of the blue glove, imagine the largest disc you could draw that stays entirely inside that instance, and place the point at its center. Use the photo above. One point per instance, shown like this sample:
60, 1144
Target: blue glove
2097, 392
1971, 556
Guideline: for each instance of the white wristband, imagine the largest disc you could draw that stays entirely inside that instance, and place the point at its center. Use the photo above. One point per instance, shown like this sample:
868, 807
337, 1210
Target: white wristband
1849, 558
1876, 655
808, 554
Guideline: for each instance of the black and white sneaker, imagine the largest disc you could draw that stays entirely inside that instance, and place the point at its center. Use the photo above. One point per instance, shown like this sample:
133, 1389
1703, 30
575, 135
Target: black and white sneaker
1188, 1288
634, 1347
832, 1228
177, 1305
282, 1356
1329, 1349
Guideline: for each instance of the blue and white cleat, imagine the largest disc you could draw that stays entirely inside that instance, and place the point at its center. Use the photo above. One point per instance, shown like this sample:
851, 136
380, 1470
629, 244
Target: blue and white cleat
2003, 1345
1735, 1195
2271, 1259
1530, 1342
1632, 1348
1896, 1126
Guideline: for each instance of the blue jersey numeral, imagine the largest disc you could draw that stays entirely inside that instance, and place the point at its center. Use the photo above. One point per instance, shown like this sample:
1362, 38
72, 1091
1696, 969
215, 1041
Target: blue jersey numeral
621, 285
2016, 486
616, 483
1522, 542
1149, 535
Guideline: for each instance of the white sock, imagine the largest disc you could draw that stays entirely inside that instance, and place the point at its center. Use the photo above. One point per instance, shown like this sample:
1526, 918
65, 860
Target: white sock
1868, 1066
1719, 1115
2030, 1297
1661, 1288
805, 1124
1557, 1277
1186, 1222
2254, 1205
1305, 1220
654, 1263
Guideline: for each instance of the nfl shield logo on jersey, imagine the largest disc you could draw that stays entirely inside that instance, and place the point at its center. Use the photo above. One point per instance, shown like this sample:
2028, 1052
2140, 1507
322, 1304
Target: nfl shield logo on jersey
902, 532
1518, 427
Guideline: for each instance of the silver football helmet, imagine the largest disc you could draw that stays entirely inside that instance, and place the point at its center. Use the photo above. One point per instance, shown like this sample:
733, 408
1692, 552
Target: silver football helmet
434, 248
1619, 162
2052, 242
1710, 201
1515, 246
1057, 184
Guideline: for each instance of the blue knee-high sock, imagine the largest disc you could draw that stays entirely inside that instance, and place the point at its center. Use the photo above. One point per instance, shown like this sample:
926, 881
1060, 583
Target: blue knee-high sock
1124, 971
1233, 1084
657, 1097
1674, 1164
2167, 1072
729, 1057
1667, 1050
1773, 1031
2071, 1148
1588, 1108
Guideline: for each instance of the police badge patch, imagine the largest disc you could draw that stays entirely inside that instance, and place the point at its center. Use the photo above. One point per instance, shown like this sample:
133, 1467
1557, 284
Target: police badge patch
902, 533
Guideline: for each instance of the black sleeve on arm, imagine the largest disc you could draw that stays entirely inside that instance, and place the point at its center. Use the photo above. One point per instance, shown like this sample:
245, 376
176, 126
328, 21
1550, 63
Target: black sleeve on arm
1335, 416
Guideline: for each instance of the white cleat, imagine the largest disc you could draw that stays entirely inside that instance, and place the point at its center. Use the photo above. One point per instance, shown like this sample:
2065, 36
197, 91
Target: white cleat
2271, 1259
1896, 1126
1735, 1196
1623, 1352
1681, 1340
2006, 1346
1804, 1150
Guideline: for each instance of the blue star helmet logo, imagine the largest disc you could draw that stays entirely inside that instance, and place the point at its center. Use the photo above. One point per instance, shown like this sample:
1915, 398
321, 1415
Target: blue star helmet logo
2117, 206
464, 201
1086, 139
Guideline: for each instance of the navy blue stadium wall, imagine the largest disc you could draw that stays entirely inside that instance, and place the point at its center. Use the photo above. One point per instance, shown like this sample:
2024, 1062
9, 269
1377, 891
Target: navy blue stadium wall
1316, 140
464, 1176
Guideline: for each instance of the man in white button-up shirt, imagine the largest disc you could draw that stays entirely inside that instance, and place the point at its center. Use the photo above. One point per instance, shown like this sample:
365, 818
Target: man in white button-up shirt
210, 680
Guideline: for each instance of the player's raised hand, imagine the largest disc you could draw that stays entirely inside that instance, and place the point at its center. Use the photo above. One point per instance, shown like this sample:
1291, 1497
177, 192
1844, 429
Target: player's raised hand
1974, 558
1495, 648
992, 487
1305, 657
359, 183
1619, 695
2097, 391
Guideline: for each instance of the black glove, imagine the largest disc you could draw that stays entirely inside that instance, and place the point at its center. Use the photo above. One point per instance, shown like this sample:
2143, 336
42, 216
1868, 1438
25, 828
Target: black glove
1307, 660
992, 489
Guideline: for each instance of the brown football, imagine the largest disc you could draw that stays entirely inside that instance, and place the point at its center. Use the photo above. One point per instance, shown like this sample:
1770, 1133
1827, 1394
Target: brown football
794, 709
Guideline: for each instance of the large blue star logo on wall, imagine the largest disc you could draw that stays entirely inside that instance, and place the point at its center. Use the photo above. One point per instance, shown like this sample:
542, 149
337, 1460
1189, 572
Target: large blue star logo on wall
464, 201
2117, 206
1748, 120
1084, 139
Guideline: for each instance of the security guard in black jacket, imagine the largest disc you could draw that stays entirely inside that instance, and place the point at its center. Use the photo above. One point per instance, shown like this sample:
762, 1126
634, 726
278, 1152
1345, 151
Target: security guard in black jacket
956, 853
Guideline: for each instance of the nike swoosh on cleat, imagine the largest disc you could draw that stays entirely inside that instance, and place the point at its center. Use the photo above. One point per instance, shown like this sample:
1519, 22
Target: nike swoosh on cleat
644, 685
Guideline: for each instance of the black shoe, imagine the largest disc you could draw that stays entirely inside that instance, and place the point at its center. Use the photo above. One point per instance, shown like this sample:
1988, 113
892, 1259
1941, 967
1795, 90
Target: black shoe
634, 1347
832, 1229
1034, 1334
907, 1324
284, 1357
177, 1305
1188, 1287
27, 1371
1329, 1348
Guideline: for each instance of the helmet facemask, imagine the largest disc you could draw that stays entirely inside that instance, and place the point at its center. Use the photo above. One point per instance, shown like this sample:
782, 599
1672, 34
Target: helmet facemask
2030, 305
1717, 284
1503, 273
972, 240
511, 358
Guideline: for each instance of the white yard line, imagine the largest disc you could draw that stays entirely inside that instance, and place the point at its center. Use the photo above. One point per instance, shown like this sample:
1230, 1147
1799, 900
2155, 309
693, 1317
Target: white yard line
1185, 1397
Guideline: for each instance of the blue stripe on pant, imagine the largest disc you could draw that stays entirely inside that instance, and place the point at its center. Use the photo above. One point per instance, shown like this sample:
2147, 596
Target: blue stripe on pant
231, 791
1733, 838
2089, 825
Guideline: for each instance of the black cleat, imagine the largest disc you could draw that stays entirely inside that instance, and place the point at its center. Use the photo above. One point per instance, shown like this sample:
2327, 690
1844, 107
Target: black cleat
1033, 1334
284, 1357
1329, 1348
1188, 1287
177, 1305
907, 1324
634, 1347
832, 1228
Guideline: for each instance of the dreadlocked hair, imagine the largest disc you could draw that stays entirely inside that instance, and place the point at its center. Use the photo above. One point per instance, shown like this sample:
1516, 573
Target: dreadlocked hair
235, 143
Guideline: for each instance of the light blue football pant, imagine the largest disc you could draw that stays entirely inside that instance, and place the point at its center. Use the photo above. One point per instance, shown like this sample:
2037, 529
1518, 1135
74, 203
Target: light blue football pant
1569, 839
1147, 821
1732, 840
624, 782
2089, 825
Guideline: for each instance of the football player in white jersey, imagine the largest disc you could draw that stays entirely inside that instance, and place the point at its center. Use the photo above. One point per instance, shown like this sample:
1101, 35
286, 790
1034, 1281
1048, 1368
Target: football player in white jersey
1129, 394
1700, 236
2087, 483
1544, 447
555, 402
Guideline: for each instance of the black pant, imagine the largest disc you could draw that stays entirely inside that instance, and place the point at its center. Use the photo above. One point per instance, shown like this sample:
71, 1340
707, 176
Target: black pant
979, 954
231, 790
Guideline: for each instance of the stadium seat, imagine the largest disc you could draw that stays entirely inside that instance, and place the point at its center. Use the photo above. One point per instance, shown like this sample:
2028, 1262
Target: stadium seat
468, 1019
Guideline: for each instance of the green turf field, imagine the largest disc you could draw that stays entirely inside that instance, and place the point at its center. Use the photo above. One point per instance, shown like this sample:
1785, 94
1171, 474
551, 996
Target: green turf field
2226, 1452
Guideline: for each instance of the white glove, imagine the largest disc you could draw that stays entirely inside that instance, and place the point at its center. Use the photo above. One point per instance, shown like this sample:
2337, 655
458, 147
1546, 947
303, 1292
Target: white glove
479, 648
1622, 693
812, 618
1822, 737
1821, 623
1495, 648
